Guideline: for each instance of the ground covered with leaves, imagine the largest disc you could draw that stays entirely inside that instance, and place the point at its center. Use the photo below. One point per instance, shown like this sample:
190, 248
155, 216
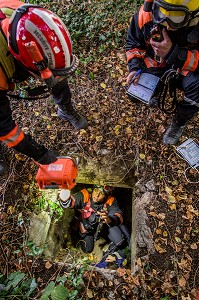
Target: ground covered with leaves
128, 133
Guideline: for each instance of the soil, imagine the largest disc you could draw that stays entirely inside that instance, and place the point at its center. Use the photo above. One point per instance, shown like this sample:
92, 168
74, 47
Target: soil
132, 133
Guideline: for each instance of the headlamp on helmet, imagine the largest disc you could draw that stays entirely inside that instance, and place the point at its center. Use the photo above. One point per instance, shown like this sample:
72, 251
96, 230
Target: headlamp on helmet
106, 190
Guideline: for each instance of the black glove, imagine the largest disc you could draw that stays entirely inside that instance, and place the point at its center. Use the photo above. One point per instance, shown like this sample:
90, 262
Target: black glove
49, 157
40, 153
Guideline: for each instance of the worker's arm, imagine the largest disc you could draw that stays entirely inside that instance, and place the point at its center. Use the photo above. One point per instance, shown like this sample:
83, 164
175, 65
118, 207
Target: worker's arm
115, 214
12, 135
72, 201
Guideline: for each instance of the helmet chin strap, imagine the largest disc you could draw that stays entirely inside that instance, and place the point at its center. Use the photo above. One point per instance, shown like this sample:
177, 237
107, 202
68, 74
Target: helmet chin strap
74, 66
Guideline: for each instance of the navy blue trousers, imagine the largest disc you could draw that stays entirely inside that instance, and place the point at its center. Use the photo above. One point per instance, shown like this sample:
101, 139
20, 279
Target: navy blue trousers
119, 235
190, 86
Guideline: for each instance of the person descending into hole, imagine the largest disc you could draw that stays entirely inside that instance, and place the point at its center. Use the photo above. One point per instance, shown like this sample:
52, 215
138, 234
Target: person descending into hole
100, 215
34, 42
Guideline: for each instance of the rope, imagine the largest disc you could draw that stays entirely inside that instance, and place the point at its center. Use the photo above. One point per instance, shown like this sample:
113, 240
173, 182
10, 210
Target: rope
168, 80
39, 92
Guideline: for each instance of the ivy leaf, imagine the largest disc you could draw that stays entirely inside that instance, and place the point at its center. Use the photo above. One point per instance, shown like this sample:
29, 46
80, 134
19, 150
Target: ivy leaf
14, 279
48, 290
59, 293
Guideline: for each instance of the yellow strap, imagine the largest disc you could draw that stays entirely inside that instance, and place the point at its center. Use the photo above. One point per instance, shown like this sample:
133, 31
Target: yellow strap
6, 59
7, 11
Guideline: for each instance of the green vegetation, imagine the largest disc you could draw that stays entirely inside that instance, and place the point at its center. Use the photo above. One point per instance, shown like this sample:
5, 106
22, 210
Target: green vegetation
95, 26
16, 286
56, 289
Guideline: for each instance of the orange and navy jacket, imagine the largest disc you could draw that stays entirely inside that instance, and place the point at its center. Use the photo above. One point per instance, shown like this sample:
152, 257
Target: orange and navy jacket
10, 133
183, 56
82, 201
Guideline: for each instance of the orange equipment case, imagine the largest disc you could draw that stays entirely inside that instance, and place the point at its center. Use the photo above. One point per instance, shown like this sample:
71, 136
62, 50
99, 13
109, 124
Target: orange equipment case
60, 174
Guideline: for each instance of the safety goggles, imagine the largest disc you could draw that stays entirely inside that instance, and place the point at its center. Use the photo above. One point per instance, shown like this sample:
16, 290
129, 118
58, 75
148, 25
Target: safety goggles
175, 16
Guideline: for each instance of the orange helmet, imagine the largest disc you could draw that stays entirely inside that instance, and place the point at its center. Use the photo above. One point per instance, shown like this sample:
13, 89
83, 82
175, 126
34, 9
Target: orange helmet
32, 23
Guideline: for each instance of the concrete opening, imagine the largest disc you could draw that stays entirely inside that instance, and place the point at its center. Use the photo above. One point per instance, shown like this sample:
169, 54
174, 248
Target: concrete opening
62, 242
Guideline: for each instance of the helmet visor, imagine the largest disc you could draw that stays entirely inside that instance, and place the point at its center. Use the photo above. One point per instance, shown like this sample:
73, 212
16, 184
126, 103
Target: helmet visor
171, 15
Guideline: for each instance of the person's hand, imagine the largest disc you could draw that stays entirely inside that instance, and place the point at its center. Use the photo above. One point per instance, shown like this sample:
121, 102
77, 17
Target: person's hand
161, 49
104, 216
130, 77
49, 157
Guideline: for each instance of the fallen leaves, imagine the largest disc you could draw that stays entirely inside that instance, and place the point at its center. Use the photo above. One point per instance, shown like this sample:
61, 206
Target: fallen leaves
160, 216
159, 249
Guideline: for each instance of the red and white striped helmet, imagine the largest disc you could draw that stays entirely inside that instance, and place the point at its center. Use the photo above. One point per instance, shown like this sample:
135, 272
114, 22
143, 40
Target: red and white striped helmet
32, 23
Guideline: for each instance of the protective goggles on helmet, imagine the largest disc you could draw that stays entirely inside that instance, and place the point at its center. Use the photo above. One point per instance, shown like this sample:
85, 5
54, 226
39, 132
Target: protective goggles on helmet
176, 16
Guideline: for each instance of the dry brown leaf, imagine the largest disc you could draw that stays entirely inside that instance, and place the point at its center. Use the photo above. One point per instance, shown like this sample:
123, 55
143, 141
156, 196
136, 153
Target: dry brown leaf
99, 138
182, 281
89, 293
136, 281
168, 190
10, 210
171, 199
48, 265
103, 85
159, 216
159, 249
172, 206
193, 246
142, 156
158, 231
178, 240
139, 262
121, 272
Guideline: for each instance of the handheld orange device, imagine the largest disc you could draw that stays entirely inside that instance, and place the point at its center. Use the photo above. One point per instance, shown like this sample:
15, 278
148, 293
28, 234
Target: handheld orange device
60, 174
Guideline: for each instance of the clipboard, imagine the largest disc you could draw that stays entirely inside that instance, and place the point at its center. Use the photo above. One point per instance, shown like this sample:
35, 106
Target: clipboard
145, 90
189, 150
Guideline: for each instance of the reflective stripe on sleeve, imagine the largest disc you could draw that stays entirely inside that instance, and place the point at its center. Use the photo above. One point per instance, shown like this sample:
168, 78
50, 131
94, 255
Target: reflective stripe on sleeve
138, 53
192, 102
150, 63
13, 138
119, 216
191, 62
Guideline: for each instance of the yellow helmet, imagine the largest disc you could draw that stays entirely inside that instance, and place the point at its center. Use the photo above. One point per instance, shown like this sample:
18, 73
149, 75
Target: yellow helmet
175, 13
192, 5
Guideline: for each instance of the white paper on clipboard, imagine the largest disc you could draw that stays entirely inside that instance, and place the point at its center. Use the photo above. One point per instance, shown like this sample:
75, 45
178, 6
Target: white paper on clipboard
145, 87
189, 150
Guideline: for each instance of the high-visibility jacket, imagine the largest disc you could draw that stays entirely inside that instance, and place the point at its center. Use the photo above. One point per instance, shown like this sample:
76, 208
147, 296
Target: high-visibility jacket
184, 54
10, 133
82, 201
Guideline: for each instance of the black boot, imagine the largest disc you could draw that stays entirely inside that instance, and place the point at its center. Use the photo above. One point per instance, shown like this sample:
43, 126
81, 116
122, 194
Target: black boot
3, 163
173, 133
68, 113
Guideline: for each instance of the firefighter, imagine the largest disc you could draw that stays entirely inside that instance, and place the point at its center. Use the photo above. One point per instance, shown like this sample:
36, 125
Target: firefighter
25, 28
98, 208
177, 48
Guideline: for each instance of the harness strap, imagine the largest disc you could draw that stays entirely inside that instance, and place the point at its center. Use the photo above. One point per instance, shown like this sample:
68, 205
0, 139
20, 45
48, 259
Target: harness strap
6, 59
